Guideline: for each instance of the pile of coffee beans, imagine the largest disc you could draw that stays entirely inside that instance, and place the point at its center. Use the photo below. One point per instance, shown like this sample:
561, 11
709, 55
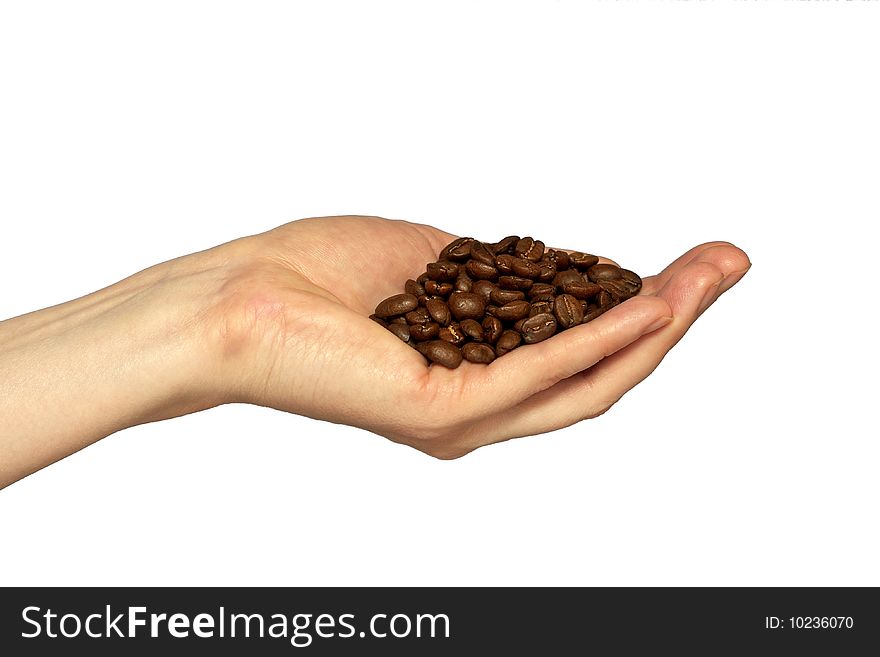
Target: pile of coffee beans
481, 300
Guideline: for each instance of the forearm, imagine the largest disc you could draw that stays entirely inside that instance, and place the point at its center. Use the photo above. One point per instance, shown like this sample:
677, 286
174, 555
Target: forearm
77, 372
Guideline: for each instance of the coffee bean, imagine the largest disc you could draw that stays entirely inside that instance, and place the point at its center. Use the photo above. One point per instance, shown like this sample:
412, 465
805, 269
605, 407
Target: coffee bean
478, 353
517, 325
593, 313
492, 329
546, 271
418, 316
463, 283
481, 270
525, 268
606, 299
514, 283
467, 305
538, 328
398, 304
400, 330
542, 297
424, 278
472, 329
414, 288
560, 259
458, 249
617, 287
568, 311
603, 272
632, 280
439, 311
501, 297
484, 290
508, 341
539, 307
379, 320
513, 311
581, 289
481, 253
422, 332
566, 276
438, 289
529, 249
504, 263
398, 320
443, 270
441, 352
453, 334
582, 261
541, 288
507, 245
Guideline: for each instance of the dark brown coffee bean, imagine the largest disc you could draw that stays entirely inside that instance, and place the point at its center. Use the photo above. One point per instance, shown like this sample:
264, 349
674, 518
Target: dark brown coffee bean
546, 271
484, 290
559, 258
481, 270
379, 320
617, 287
481, 253
439, 311
513, 311
418, 316
541, 288
504, 263
539, 307
581, 289
517, 325
422, 332
633, 281
492, 329
568, 311
414, 288
458, 249
453, 334
424, 278
444, 270
441, 352
400, 330
467, 305
478, 353
525, 268
593, 312
582, 261
529, 249
542, 297
606, 300
567, 276
463, 283
514, 283
603, 272
507, 245
501, 297
538, 328
508, 341
438, 289
399, 304
398, 320
473, 329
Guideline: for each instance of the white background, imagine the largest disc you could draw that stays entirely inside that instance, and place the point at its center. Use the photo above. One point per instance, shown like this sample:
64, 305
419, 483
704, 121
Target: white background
131, 133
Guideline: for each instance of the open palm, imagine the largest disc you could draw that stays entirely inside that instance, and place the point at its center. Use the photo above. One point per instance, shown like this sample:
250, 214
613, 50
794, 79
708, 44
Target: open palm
311, 349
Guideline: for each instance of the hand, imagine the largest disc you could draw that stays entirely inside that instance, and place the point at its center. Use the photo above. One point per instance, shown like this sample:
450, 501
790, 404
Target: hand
303, 343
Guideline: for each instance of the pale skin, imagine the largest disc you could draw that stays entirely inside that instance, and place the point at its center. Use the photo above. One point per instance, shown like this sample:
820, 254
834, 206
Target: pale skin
280, 320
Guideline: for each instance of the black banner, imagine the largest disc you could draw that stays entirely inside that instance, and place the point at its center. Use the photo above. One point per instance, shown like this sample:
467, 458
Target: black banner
436, 621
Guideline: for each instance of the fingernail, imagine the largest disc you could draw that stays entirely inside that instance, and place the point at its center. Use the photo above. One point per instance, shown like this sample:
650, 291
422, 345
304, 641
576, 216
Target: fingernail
660, 322
730, 280
709, 297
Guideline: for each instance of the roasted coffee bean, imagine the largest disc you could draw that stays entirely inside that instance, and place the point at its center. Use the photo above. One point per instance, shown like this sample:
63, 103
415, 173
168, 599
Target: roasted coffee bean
444, 270
441, 352
481, 270
593, 312
484, 290
606, 299
463, 283
632, 280
422, 332
541, 288
438, 289
513, 311
504, 263
501, 297
478, 353
472, 329
567, 276
424, 278
543, 297
546, 271
517, 325
466, 305
514, 283
507, 245
400, 330
559, 258
617, 287
492, 329
398, 320
418, 316
581, 289
481, 253
603, 272
453, 334
538, 328
508, 341
539, 307
568, 311
439, 311
458, 250
399, 304
525, 268
582, 261
529, 249
414, 288
379, 320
